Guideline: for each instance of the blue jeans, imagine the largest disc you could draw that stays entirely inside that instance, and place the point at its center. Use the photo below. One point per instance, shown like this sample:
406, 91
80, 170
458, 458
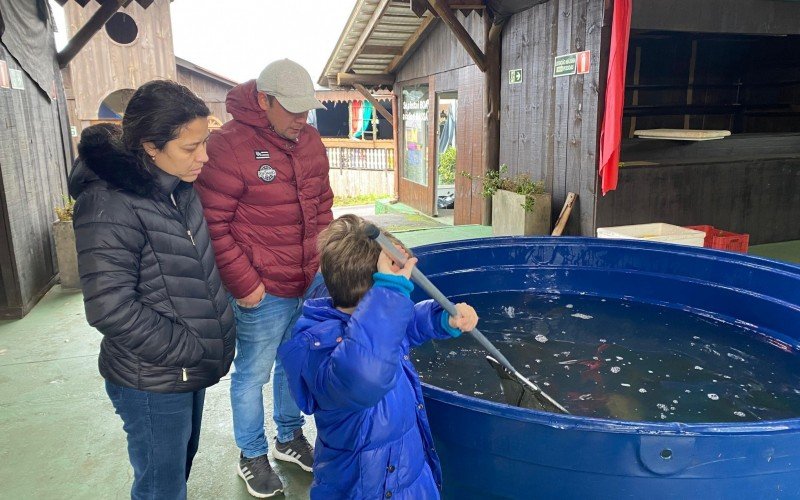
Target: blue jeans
259, 332
163, 435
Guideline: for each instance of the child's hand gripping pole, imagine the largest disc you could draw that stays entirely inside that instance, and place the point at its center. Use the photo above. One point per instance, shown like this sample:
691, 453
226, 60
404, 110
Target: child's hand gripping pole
420, 279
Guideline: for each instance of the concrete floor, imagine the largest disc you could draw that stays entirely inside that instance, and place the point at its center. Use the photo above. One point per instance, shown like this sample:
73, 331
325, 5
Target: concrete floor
59, 436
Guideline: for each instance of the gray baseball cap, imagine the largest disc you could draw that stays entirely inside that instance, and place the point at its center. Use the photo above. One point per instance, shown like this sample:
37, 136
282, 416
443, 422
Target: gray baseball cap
291, 85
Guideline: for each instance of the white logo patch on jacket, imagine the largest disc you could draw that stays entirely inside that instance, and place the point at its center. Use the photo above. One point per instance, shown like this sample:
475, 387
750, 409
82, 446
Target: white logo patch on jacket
267, 173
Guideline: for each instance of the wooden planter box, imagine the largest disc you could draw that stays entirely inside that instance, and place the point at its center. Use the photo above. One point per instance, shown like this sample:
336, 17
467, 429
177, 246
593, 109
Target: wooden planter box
510, 219
66, 254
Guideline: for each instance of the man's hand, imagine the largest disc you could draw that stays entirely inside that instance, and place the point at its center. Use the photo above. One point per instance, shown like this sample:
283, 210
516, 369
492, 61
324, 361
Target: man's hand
388, 266
467, 318
254, 298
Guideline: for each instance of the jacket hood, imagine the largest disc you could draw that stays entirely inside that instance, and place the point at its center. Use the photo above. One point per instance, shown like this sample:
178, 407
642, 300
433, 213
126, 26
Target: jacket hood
317, 311
102, 157
242, 104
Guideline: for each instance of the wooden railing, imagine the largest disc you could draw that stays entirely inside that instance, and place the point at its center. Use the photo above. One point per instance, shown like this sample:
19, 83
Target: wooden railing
360, 155
361, 167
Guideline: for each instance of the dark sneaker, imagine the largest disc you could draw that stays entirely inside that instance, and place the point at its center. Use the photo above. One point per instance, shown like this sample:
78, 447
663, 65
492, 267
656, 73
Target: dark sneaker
261, 480
298, 451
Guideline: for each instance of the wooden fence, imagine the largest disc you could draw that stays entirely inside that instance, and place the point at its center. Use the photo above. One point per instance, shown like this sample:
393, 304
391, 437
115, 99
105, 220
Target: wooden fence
361, 167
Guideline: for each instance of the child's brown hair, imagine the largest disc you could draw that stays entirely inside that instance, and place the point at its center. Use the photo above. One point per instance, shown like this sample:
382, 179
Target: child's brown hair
348, 259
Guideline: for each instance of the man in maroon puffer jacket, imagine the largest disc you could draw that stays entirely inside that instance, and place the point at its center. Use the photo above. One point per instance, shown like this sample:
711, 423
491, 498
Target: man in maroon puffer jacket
266, 196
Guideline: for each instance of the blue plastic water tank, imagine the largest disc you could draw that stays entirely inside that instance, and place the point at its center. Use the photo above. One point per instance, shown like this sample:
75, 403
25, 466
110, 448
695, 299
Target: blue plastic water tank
491, 450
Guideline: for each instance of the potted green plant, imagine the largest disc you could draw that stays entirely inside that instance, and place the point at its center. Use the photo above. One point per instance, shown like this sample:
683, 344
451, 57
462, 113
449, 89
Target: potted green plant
520, 205
66, 253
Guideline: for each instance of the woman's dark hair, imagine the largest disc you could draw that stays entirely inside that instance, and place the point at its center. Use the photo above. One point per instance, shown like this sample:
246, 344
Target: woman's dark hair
156, 113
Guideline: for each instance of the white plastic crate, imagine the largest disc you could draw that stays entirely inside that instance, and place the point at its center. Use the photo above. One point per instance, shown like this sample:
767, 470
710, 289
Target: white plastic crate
656, 231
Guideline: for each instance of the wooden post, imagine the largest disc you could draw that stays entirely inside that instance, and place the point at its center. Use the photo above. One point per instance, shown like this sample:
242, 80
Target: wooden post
563, 217
491, 99
690, 86
396, 136
87, 31
378, 106
635, 98
463, 36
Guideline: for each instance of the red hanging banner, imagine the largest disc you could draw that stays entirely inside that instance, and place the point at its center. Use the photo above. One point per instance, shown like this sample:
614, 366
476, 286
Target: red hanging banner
611, 131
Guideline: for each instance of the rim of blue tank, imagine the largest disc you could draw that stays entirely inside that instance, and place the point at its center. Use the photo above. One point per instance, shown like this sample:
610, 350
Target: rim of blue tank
608, 425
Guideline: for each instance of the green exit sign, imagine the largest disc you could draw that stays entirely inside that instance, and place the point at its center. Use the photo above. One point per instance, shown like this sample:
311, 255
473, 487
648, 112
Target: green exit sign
515, 76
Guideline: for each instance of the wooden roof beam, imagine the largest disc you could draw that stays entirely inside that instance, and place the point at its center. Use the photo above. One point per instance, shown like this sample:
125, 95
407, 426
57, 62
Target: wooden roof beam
463, 36
87, 31
380, 9
423, 28
381, 50
467, 5
378, 106
418, 7
351, 79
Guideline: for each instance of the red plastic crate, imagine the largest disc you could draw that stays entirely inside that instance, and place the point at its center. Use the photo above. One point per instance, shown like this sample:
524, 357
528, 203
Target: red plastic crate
723, 240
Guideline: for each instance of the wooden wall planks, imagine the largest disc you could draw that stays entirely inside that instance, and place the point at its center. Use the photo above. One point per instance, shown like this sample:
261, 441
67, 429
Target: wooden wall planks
34, 154
104, 66
550, 125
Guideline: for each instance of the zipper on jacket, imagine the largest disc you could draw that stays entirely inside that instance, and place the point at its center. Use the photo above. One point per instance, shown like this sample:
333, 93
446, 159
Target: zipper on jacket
184, 372
188, 231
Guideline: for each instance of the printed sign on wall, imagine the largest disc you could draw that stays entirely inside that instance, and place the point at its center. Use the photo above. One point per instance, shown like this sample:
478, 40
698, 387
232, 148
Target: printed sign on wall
583, 63
5, 79
572, 64
17, 81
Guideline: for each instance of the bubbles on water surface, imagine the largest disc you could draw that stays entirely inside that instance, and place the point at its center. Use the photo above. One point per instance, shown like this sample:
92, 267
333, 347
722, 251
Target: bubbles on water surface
663, 366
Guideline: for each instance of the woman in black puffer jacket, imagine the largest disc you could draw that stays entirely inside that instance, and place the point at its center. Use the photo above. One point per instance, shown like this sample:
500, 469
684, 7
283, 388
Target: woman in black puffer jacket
149, 280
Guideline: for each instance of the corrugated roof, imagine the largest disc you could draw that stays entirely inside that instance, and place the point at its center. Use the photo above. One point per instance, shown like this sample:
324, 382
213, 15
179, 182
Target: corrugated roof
375, 39
380, 34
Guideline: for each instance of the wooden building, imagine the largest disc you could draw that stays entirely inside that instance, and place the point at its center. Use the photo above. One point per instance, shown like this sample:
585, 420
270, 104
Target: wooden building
34, 153
132, 48
385, 43
689, 67
36, 101
211, 87
359, 141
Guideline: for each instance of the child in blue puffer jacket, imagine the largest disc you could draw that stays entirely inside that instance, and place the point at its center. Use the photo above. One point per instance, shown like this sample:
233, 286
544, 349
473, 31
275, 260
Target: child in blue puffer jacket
348, 364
